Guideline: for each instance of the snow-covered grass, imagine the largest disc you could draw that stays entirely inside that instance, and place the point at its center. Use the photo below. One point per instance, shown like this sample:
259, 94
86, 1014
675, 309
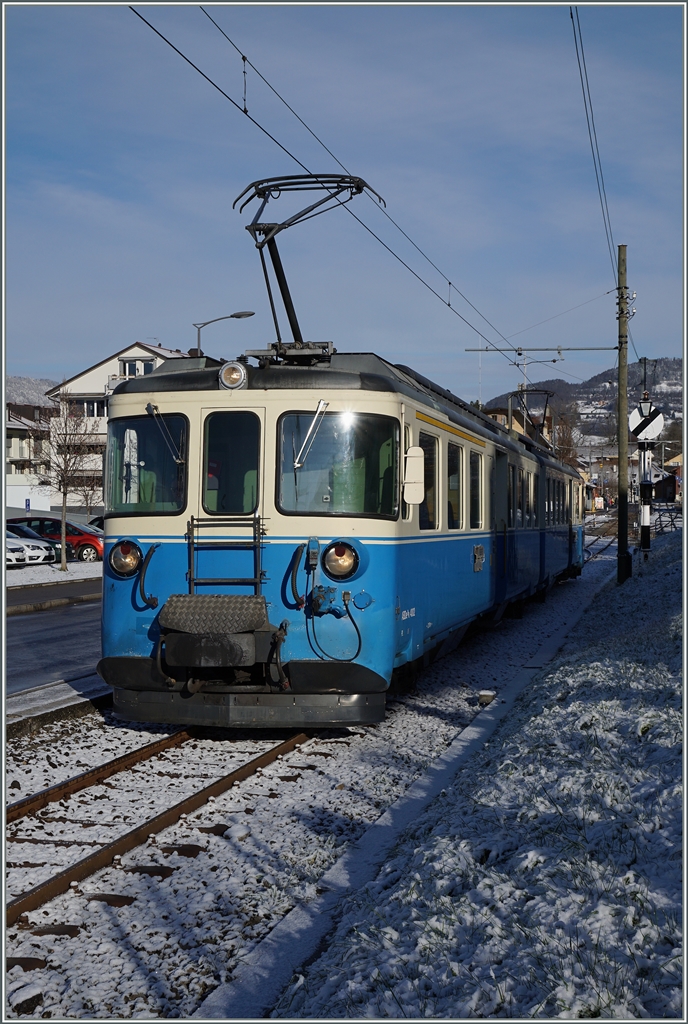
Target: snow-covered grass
33, 575
546, 882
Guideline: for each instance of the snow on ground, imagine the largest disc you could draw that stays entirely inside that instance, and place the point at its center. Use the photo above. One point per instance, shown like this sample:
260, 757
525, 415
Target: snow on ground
33, 575
546, 882
63, 749
283, 828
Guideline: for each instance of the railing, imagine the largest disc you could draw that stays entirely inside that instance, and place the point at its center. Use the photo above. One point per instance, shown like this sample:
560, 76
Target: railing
667, 518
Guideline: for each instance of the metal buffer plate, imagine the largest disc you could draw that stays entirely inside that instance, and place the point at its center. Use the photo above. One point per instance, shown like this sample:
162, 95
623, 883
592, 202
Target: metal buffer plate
214, 613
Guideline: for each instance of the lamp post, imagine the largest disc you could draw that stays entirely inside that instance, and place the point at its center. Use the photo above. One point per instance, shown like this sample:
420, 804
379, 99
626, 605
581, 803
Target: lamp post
232, 316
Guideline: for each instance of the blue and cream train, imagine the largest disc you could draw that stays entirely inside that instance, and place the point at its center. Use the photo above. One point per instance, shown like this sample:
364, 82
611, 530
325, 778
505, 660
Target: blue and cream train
282, 537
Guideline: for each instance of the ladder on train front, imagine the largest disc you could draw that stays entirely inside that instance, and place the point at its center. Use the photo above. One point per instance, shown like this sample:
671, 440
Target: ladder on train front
196, 543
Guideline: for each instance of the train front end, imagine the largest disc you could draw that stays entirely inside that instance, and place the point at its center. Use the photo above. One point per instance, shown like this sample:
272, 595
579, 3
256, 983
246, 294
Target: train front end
249, 572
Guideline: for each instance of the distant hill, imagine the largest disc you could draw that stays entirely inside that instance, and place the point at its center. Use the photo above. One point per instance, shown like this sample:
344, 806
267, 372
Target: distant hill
28, 390
595, 399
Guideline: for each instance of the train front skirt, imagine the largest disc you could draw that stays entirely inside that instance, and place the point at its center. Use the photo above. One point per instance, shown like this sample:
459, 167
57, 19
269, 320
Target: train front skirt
279, 710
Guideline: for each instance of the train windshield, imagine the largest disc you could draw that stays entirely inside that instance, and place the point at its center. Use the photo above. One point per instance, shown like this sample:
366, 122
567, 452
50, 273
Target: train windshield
146, 464
350, 467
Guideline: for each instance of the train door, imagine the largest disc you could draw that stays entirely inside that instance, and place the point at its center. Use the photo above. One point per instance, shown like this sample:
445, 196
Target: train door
225, 539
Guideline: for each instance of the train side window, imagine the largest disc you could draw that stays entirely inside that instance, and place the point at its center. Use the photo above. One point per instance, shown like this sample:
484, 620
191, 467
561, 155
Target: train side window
548, 500
569, 498
519, 509
454, 476
231, 459
511, 493
427, 509
529, 489
536, 499
476, 491
562, 499
558, 508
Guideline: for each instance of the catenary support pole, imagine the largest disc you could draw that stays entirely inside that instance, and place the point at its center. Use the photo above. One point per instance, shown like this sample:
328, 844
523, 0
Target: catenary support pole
624, 562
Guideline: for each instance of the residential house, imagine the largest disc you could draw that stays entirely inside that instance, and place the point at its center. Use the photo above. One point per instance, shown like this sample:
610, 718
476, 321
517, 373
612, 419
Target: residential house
26, 456
86, 394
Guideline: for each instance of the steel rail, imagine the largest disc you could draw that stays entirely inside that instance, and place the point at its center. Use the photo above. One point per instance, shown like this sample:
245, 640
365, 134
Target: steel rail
594, 554
29, 804
60, 883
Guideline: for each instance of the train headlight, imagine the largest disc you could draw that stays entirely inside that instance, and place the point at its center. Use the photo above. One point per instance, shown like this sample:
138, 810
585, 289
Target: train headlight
233, 376
125, 558
339, 561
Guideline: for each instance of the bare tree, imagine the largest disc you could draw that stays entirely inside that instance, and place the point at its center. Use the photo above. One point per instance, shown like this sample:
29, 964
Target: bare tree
610, 430
89, 484
567, 433
69, 450
89, 490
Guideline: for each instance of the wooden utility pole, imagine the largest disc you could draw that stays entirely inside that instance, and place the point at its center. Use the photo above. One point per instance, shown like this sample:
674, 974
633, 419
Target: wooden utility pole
624, 566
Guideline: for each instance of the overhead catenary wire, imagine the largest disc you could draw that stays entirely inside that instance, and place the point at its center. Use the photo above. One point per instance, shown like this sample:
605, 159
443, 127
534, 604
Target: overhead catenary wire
336, 159
592, 135
384, 212
308, 171
547, 320
381, 209
594, 147
244, 110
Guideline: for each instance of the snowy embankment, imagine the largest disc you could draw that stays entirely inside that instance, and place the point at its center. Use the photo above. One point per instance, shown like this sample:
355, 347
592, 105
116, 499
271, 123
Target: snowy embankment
34, 575
546, 882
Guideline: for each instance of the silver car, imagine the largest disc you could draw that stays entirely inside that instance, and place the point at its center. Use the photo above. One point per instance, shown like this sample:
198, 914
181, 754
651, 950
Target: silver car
15, 556
37, 550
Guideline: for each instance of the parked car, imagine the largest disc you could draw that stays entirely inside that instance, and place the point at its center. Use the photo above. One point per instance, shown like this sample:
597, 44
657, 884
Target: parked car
25, 532
97, 521
86, 540
37, 550
15, 556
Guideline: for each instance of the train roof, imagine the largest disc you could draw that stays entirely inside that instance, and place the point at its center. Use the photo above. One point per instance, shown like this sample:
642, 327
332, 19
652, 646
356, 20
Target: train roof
350, 371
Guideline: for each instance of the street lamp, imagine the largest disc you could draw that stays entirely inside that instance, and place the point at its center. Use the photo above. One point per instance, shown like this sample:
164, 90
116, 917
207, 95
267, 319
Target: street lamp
232, 316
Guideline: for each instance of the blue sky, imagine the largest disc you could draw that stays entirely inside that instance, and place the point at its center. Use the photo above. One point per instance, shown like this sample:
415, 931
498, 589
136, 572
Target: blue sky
122, 164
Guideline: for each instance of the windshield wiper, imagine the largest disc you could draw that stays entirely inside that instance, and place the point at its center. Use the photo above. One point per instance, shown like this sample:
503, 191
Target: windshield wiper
153, 411
313, 429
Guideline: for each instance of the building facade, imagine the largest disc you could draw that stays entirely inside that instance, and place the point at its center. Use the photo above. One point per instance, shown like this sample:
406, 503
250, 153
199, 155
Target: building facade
85, 397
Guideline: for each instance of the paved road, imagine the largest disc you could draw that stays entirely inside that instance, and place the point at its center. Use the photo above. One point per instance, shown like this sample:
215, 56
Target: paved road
52, 591
62, 643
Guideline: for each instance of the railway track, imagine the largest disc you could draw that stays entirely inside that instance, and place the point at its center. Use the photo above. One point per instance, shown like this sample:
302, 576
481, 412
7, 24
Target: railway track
92, 777
107, 853
605, 531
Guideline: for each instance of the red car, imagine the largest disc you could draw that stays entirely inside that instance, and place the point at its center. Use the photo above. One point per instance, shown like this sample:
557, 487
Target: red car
87, 541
